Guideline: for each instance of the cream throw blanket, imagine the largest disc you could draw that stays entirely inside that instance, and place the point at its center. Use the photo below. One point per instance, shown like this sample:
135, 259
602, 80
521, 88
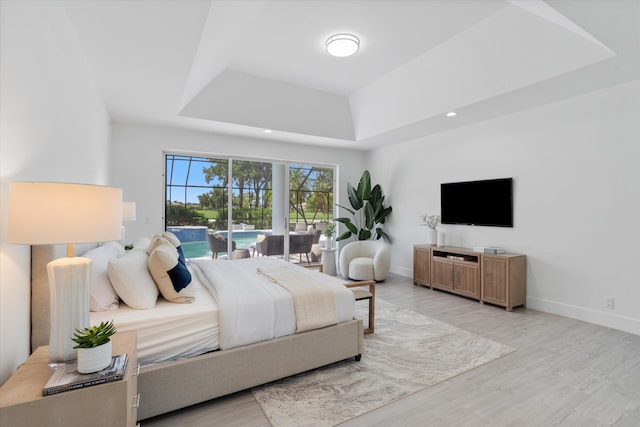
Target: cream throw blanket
314, 302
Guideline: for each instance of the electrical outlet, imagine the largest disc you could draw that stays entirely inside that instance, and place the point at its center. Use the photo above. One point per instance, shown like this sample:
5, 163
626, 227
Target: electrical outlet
609, 302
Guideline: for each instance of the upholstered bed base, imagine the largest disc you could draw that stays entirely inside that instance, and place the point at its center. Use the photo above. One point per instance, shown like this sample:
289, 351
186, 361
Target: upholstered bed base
178, 384
173, 385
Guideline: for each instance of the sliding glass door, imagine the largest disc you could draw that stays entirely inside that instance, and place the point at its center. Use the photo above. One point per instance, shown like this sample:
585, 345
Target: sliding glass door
218, 205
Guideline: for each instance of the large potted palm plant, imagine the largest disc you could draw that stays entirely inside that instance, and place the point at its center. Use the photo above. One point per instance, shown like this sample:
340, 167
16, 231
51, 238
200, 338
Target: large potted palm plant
367, 209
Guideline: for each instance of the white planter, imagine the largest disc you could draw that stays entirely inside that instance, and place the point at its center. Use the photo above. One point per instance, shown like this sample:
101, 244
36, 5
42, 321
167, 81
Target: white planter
94, 359
441, 238
329, 244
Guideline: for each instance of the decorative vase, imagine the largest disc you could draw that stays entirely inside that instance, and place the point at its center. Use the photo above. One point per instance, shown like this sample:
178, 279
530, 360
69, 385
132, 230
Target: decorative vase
329, 244
441, 238
94, 359
432, 236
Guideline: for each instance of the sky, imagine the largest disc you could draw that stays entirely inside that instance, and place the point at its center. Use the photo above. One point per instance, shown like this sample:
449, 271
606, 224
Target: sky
177, 168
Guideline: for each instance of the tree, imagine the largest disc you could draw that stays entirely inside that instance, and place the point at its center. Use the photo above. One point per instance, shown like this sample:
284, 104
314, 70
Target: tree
247, 175
297, 193
321, 198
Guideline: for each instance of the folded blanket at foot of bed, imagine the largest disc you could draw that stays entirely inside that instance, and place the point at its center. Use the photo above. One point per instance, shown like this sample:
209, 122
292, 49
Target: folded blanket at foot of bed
314, 302
254, 308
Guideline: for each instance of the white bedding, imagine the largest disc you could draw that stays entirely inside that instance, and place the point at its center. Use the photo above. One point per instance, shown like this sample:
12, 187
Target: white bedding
169, 331
245, 318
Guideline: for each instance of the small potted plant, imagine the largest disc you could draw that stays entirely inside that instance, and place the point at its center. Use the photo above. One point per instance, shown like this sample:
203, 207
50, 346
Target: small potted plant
94, 347
432, 222
328, 233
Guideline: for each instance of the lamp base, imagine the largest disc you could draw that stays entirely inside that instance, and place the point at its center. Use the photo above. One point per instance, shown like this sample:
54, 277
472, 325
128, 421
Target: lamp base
69, 303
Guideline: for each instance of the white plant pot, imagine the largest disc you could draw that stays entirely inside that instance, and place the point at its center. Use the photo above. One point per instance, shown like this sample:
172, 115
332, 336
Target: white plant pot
94, 359
329, 244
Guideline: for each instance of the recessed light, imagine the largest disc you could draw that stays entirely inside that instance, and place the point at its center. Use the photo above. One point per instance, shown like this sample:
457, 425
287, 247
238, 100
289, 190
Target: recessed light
451, 114
268, 131
342, 45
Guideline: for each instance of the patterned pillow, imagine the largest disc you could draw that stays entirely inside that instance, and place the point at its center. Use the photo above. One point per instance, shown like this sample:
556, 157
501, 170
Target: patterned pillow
171, 276
167, 237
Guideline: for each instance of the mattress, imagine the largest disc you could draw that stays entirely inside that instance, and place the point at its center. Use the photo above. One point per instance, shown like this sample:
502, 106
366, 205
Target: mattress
169, 331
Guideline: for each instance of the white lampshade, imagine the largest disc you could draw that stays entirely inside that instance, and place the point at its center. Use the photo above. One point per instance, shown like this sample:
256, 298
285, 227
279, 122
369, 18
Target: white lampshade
129, 211
43, 213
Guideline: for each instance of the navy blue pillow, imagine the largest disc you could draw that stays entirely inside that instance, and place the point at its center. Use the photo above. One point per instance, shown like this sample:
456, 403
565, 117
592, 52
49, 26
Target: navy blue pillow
181, 259
180, 276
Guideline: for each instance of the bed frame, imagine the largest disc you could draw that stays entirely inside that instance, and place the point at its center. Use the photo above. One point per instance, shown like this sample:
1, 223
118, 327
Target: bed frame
168, 386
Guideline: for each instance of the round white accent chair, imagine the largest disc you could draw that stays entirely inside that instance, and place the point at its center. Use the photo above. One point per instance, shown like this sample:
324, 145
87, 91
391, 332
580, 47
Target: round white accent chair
365, 260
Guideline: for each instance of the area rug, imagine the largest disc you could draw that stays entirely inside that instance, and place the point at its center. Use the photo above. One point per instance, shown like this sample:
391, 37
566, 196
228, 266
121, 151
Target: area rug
408, 353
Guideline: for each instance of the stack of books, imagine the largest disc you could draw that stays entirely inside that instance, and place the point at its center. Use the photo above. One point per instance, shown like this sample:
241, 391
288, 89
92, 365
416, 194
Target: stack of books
488, 250
67, 377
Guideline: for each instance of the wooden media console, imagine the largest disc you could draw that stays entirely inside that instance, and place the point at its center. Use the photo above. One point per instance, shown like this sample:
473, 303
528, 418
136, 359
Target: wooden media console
499, 279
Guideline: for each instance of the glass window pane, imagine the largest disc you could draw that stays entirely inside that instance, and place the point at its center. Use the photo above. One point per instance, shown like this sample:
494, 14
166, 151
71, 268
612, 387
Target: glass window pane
197, 199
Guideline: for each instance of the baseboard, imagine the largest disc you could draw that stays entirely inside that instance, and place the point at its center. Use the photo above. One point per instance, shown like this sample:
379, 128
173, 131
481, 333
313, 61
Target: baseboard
622, 323
610, 320
401, 271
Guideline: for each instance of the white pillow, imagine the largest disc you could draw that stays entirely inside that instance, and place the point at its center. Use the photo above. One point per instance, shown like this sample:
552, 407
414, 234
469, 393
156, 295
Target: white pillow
171, 276
141, 244
132, 281
172, 238
157, 241
167, 237
103, 296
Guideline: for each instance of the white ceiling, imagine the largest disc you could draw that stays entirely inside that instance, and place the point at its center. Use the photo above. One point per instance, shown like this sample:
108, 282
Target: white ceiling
239, 67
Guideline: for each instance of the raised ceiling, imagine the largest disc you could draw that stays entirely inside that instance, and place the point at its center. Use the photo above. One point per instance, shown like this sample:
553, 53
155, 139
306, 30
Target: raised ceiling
239, 67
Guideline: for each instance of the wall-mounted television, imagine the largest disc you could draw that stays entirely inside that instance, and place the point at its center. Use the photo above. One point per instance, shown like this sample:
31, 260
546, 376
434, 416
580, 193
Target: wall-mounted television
488, 202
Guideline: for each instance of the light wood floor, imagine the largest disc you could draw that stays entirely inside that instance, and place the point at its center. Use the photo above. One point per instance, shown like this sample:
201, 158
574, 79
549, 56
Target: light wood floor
564, 372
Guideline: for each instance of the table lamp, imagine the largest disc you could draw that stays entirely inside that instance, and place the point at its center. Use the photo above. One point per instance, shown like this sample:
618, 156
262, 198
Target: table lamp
47, 213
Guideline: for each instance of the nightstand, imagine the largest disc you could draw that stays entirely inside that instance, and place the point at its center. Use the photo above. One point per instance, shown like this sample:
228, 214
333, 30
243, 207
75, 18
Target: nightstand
111, 404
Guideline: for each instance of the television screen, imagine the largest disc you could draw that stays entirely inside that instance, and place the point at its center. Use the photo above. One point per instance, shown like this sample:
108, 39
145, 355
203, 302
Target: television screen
488, 202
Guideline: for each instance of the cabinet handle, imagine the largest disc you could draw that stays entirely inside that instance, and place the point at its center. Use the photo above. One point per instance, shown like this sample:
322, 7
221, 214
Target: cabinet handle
137, 371
136, 401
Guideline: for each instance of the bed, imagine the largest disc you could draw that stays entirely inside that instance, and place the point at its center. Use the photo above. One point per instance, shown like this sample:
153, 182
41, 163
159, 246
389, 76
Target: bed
183, 373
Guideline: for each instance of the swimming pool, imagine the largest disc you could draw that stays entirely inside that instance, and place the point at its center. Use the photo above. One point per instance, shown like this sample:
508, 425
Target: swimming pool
243, 238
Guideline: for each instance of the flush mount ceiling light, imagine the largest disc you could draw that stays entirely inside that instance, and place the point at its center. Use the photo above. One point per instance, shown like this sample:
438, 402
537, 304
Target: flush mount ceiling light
342, 45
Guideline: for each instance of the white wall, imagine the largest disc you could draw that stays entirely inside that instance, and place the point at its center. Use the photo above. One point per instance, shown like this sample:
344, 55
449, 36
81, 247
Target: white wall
53, 127
576, 207
138, 164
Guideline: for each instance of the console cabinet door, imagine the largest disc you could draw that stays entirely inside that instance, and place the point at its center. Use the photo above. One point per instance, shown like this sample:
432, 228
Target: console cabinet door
421, 265
442, 273
466, 280
494, 286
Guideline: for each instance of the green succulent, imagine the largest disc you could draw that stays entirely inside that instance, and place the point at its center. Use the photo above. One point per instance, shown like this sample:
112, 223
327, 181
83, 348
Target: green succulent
94, 336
